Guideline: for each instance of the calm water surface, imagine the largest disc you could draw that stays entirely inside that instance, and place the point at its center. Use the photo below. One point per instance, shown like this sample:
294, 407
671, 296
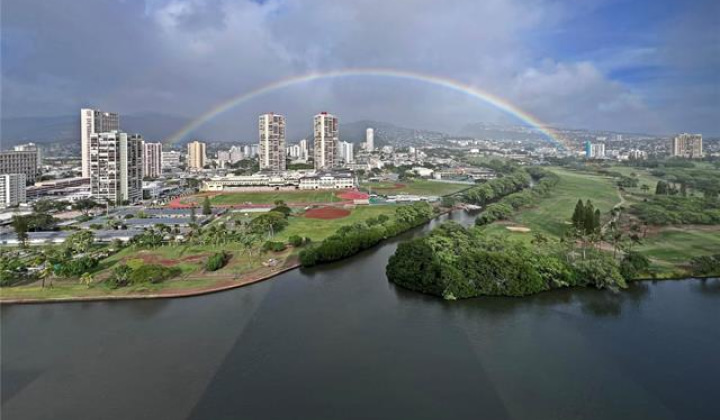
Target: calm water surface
340, 342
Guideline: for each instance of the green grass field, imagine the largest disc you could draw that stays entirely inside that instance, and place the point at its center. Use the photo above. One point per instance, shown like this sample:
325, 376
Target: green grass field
269, 197
414, 187
319, 229
552, 214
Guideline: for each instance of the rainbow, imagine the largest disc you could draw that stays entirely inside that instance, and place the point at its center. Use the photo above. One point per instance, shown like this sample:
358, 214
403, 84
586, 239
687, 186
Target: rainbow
451, 84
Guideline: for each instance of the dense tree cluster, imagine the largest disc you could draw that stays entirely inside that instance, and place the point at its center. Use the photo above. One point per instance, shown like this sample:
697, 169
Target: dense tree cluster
708, 265
627, 182
269, 223
506, 205
668, 210
349, 240
492, 190
679, 180
454, 262
586, 218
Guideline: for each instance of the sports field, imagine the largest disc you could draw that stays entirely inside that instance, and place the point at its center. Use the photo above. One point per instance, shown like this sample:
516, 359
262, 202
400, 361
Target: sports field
319, 229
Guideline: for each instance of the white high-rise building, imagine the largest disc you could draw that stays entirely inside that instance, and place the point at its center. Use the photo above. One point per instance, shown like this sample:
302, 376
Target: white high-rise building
326, 141
271, 148
346, 152
93, 121
687, 146
304, 150
116, 167
12, 189
196, 156
369, 139
152, 160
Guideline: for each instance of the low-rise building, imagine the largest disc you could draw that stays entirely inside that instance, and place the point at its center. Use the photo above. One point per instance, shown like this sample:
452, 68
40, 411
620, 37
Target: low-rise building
328, 180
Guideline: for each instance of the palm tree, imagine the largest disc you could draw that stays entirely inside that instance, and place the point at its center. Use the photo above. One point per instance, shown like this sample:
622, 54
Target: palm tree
86, 279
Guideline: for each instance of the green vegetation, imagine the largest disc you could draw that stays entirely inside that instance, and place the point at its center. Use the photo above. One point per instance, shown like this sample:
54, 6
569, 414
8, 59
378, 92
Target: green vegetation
508, 201
124, 275
552, 213
454, 262
216, 261
274, 246
707, 265
319, 229
677, 210
270, 197
414, 187
351, 239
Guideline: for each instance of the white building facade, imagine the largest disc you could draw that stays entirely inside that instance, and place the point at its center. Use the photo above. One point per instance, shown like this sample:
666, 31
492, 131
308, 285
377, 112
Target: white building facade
271, 148
93, 121
370, 139
12, 189
152, 160
326, 131
116, 167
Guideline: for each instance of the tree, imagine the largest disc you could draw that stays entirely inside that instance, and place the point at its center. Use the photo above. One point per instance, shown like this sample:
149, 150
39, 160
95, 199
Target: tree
86, 279
20, 224
578, 217
645, 188
206, 210
193, 216
661, 188
84, 205
80, 242
589, 218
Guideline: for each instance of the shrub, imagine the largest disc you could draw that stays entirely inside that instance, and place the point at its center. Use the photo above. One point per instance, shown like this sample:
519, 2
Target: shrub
634, 264
706, 265
274, 246
152, 273
296, 240
216, 261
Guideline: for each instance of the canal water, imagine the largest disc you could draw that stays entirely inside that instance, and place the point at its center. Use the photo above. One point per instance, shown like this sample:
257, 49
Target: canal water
340, 342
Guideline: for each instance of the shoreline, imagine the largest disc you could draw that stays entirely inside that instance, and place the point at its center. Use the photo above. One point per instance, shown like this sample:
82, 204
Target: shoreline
179, 293
170, 294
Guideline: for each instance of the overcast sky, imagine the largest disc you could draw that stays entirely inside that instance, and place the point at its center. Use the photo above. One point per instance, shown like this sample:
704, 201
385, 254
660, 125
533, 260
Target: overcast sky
633, 65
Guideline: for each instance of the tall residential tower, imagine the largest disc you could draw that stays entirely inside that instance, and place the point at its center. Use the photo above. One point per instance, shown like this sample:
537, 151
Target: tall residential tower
369, 139
272, 142
326, 141
152, 160
196, 155
116, 167
93, 121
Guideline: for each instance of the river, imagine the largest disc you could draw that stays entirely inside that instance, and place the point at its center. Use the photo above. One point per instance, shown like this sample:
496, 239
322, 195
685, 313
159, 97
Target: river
340, 342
